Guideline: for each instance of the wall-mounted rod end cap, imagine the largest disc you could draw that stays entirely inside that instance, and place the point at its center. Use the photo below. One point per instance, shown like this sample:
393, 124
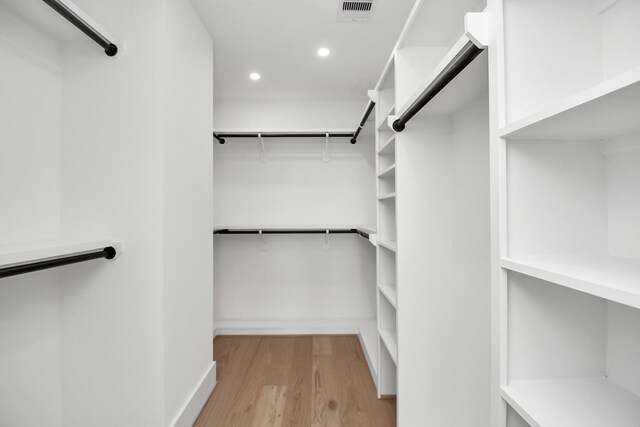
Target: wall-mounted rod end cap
111, 50
397, 126
110, 252
353, 140
221, 140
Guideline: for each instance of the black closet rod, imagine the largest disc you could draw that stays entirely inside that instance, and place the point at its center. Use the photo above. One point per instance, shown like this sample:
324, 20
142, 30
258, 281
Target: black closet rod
468, 53
109, 252
221, 137
367, 113
109, 48
294, 231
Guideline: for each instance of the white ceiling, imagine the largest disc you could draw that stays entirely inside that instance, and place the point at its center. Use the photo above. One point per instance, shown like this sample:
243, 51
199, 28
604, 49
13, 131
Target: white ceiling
279, 39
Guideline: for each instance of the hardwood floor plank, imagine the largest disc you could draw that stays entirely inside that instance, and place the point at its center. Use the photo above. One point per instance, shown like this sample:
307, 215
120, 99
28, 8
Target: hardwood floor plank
298, 409
294, 381
279, 358
234, 356
270, 406
256, 373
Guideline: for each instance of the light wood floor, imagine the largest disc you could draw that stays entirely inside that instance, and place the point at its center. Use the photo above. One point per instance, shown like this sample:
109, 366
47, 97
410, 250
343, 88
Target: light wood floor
293, 381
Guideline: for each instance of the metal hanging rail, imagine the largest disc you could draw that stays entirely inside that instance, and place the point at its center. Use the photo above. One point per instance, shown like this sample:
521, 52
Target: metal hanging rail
109, 48
294, 231
365, 117
459, 63
109, 253
222, 136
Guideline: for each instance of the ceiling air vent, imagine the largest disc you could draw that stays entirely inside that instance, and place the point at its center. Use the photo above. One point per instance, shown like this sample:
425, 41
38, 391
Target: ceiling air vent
355, 10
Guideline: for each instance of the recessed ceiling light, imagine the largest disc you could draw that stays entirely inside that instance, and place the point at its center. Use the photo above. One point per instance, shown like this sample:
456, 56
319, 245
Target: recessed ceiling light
254, 76
323, 51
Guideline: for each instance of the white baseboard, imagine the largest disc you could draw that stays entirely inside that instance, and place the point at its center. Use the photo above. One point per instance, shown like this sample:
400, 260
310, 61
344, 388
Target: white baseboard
287, 326
369, 343
194, 404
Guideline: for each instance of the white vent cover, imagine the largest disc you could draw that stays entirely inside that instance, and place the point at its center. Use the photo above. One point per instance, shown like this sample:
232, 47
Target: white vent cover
355, 10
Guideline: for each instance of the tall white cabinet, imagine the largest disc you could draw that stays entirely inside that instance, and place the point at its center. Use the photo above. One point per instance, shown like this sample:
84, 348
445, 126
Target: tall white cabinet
568, 291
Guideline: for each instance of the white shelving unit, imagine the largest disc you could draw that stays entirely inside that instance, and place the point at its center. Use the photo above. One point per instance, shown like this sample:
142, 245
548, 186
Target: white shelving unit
386, 251
568, 179
433, 222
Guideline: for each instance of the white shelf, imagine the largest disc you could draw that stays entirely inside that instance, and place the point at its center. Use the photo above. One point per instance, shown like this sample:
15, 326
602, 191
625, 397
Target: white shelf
390, 343
388, 172
590, 402
392, 246
390, 294
607, 109
40, 251
389, 196
612, 278
389, 147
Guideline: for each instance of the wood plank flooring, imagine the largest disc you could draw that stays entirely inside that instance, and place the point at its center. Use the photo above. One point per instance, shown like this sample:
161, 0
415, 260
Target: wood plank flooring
293, 381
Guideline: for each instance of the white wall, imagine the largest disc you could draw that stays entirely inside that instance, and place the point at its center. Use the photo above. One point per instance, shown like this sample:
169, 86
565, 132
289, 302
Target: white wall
30, 96
188, 204
287, 114
110, 343
295, 278
112, 321
293, 281
293, 184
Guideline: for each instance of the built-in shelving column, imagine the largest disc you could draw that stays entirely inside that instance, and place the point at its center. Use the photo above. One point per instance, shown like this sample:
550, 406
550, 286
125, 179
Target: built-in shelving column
570, 255
387, 231
433, 274
443, 218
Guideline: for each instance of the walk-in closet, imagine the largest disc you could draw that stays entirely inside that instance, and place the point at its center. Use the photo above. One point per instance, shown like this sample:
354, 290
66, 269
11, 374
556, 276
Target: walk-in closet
376, 213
